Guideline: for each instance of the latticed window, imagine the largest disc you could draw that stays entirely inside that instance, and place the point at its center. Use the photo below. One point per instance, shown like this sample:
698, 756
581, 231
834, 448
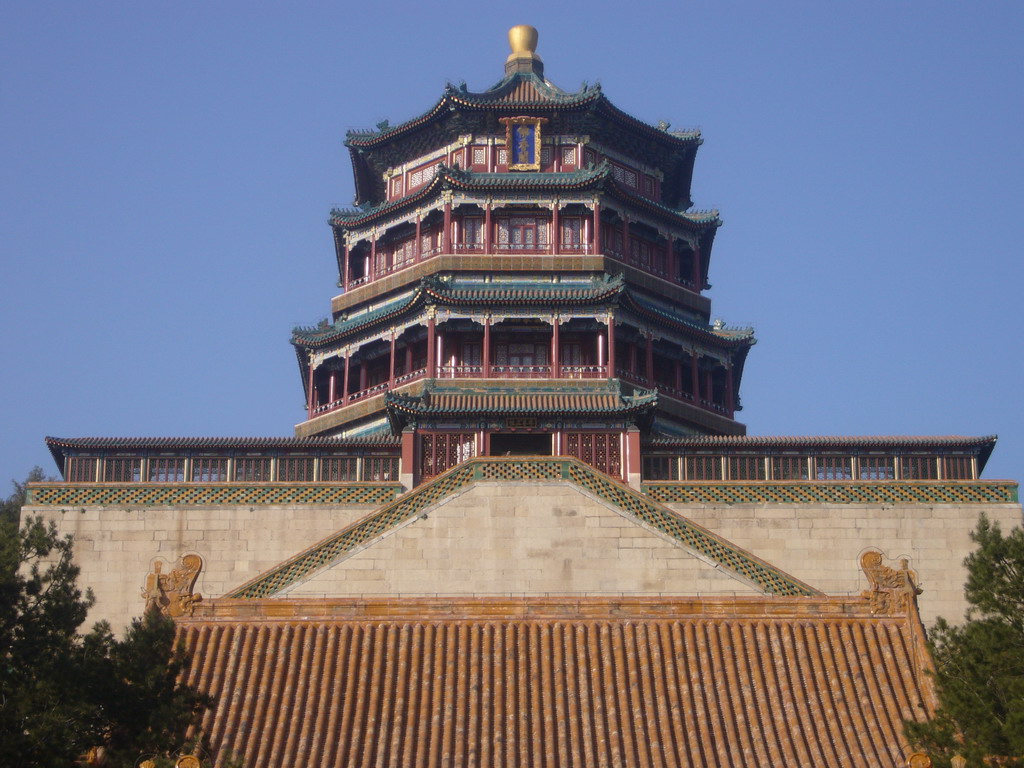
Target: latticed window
789, 467
403, 252
479, 156
473, 231
876, 467
568, 155
572, 232
919, 468
440, 451
706, 467
122, 470
661, 467
81, 469
382, 469
295, 469
746, 467
167, 469
252, 469
601, 450
522, 233
833, 468
958, 468
209, 469
337, 469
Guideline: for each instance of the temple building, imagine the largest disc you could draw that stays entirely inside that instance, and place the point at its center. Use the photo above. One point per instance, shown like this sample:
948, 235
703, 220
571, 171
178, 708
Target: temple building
520, 523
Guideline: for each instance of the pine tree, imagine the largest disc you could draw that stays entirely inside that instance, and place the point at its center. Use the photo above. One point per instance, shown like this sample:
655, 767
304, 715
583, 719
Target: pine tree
62, 692
979, 665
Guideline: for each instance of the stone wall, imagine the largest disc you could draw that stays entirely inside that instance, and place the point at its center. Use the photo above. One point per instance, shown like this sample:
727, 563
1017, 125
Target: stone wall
521, 538
116, 547
529, 538
821, 543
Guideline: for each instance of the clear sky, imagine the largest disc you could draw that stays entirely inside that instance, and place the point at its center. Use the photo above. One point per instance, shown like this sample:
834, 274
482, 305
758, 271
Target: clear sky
166, 172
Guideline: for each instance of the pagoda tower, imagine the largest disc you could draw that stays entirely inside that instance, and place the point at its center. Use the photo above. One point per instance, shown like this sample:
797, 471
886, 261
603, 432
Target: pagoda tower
522, 274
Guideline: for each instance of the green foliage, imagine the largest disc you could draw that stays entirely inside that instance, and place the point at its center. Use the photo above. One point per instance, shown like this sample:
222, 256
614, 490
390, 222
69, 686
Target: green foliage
61, 692
10, 508
979, 671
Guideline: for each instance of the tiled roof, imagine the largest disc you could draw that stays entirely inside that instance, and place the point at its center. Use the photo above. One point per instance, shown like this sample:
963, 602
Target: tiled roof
525, 399
560, 681
597, 177
741, 337
446, 291
60, 446
453, 291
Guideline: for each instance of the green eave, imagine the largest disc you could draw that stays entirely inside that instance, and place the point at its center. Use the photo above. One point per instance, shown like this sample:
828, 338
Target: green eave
597, 178
733, 337
454, 291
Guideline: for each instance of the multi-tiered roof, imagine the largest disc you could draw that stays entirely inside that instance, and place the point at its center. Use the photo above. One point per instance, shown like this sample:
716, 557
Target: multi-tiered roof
514, 248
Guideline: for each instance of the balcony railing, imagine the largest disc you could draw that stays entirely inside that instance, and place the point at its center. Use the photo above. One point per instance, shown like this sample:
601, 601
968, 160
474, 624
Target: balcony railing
469, 247
521, 371
584, 371
363, 394
460, 371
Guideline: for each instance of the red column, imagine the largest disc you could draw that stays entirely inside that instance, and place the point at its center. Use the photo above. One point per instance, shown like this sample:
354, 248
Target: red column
487, 346
345, 268
708, 390
625, 239
696, 270
344, 384
408, 456
597, 226
695, 376
611, 346
418, 245
331, 387
632, 358
650, 360
362, 376
373, 258
679, 374
446, 236
431, 348
488, 237
391, 372
730, 400
556, 364
311, 393
632, 462
556, 235
408, 358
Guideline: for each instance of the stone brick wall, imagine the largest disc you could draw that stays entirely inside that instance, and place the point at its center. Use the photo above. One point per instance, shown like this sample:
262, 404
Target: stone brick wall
116, 547
821, 543
521, 539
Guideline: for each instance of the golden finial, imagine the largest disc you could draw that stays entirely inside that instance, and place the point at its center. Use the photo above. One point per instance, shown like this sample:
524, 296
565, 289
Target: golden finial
522, 39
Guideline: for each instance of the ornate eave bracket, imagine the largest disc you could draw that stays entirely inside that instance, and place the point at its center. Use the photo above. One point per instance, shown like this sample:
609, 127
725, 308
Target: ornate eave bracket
891, 590
172, 593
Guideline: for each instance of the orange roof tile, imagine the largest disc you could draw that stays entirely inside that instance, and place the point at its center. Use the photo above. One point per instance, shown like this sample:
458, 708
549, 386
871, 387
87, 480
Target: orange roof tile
544, 682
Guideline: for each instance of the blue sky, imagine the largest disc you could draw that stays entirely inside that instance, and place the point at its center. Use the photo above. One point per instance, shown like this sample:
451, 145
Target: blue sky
167, 171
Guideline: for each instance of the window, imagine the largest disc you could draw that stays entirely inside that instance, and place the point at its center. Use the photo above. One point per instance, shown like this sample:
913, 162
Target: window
958, 468
440, 451
167, 469
81, 469
833, 468
568, 155
789, 467
746, 467
479, 155
403, 253
522, 233
337, 469
209, 469
382, 469
703, 467
295, 469
661, 468
919, 468
252, 469
601, 450
572, 233
473, 232
877, 467
118, 470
